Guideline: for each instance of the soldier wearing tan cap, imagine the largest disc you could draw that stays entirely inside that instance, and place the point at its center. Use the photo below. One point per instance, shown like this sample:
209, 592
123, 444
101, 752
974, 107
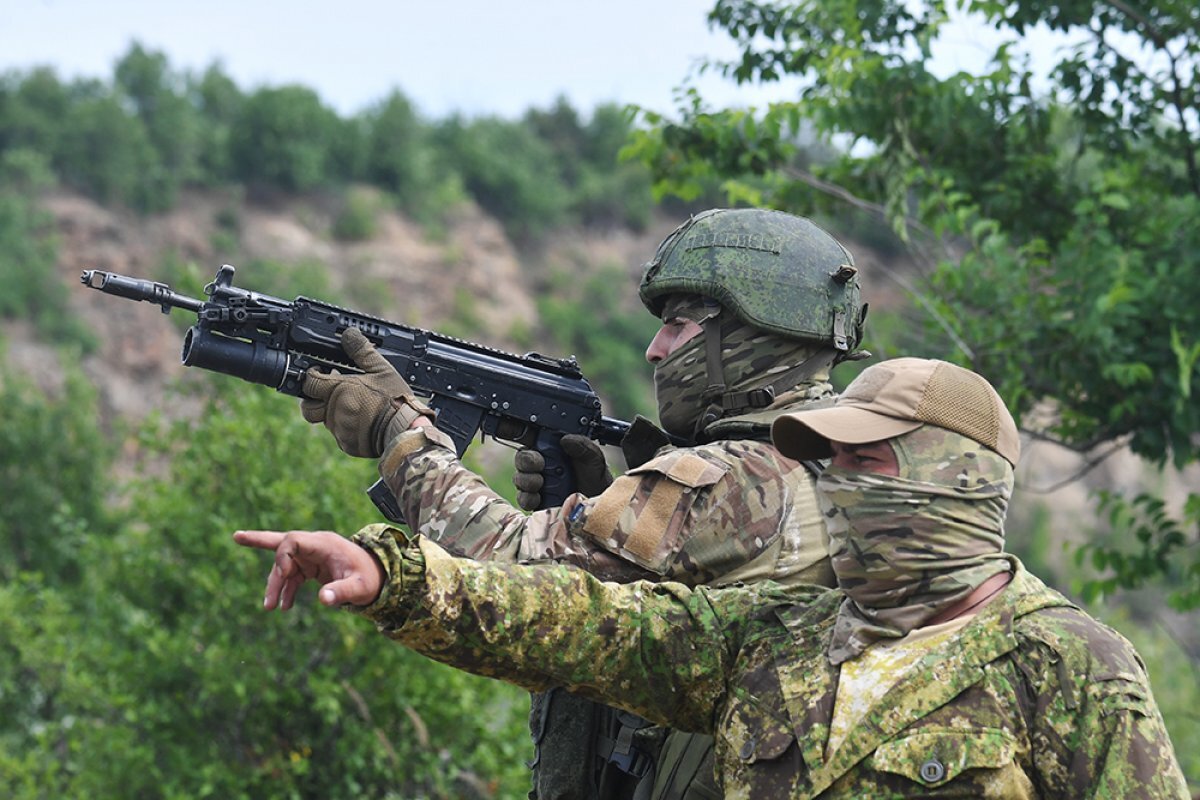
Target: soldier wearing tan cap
938, 667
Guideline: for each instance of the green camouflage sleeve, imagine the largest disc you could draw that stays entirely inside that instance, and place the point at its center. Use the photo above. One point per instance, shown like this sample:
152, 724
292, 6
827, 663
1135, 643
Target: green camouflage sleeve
1096, 729
662, 651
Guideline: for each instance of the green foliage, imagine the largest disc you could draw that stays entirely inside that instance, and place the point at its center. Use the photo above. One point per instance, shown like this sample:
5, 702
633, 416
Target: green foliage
110, 157
594, 321
157, 675
356, 221
282, 139
172, 123
28, 254
1116, 298
153, 130
53, 463
464, 321
1146, 543
219, 102
604, 190
400, 159
31, 111
520, 188
1055, 212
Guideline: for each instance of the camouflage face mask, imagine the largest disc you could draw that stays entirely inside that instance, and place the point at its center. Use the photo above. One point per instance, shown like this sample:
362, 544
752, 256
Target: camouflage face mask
906, 548
750, 359
679, 379
679, 384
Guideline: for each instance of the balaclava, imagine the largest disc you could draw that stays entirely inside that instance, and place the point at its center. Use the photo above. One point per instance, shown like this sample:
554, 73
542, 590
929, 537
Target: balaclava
752, 362
906, 548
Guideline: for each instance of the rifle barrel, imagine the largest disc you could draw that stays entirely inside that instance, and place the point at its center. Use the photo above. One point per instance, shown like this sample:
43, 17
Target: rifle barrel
138, 289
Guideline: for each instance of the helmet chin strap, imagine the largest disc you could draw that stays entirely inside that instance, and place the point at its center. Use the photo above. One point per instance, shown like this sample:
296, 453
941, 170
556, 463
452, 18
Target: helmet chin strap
714, 370
722, 402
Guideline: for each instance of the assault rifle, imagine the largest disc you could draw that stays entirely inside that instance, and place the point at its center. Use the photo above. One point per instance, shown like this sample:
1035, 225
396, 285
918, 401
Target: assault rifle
530, 400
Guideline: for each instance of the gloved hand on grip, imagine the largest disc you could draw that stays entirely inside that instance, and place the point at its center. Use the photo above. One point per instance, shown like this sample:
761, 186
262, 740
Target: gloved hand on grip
587, 461
363, 412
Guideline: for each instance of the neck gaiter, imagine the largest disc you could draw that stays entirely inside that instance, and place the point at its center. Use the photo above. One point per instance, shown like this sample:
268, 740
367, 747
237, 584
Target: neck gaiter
906, 548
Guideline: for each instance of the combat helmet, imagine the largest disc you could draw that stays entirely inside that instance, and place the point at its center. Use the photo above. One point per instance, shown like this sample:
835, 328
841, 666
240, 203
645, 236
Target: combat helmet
775, 271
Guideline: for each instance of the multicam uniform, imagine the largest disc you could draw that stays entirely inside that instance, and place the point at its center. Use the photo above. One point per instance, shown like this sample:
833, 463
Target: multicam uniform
691, 514
1032, 698
732, 510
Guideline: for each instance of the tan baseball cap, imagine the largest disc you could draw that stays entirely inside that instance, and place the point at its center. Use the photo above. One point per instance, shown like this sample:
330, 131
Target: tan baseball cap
900, 395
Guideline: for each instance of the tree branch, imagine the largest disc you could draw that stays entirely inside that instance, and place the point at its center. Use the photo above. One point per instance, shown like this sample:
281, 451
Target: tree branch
846, 196
1089, 463
1174, 90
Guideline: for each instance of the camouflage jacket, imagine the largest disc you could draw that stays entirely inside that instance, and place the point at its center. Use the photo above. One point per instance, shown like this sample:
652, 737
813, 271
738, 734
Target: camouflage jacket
1032, 698
733, 510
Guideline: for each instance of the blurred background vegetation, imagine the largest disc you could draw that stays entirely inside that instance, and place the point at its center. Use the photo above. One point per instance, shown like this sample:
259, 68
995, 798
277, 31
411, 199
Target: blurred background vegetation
1050, 228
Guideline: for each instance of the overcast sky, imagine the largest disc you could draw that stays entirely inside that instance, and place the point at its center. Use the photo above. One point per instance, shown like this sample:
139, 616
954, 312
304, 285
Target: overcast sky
472, 56
469, 56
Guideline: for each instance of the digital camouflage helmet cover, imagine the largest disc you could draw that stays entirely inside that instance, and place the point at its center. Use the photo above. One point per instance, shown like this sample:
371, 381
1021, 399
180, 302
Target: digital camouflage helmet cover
775, 271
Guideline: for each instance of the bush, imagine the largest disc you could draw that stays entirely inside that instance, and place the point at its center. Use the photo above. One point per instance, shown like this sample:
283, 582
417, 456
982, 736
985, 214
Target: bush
28, 255
509, 172
356, 221
592, 321
283, 138
53, 463
157, 675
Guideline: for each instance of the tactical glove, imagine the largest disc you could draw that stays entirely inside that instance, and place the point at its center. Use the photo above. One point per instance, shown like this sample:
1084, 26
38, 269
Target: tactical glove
363, 412
587, 462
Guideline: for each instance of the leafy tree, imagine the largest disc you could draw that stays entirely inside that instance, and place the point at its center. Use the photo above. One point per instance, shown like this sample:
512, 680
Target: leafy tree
508, 170
53, 462
603, 190
401, 157
28, 252
283, 138
561, 128
591, 320
219, 101
1055, 213
160, 100
107, 154
396, 148
32, 108
155, 673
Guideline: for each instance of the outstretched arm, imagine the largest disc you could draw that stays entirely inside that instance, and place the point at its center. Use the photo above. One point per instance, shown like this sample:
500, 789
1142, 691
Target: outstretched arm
660, 650
347, 573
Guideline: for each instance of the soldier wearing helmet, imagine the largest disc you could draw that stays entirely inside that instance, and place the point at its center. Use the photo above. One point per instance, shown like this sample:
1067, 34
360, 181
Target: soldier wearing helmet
757, 307
776, 299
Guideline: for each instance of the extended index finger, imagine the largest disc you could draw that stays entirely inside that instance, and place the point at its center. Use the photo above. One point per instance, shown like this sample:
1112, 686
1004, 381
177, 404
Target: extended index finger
263, 540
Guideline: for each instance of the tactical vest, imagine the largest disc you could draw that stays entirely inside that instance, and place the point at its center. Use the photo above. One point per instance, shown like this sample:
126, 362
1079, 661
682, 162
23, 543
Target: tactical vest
588, 751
